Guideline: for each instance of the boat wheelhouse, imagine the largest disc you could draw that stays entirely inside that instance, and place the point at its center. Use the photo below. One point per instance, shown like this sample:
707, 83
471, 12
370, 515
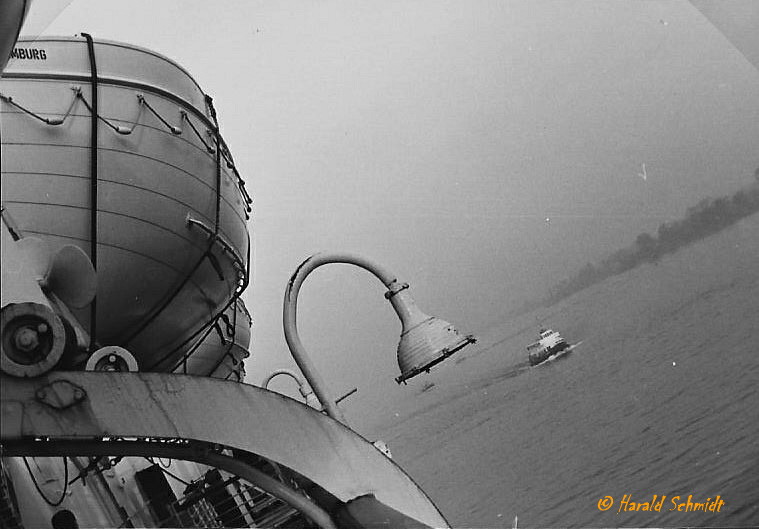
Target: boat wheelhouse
549, 343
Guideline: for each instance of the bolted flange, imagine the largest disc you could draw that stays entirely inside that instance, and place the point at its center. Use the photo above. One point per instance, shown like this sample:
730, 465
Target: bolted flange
33, 339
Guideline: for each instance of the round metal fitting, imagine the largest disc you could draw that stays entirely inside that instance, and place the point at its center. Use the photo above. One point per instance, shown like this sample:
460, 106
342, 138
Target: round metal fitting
33, 339
26, 338
112, 358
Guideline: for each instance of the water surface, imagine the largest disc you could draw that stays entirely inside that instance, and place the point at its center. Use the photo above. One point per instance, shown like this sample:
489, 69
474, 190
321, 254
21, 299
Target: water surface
661, 398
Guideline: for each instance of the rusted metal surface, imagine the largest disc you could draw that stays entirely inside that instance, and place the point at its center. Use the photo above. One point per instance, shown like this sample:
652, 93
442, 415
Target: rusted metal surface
157, 405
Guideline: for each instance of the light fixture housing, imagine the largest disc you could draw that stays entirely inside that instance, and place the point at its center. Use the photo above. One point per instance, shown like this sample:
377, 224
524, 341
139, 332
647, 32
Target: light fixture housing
426, 345
425, 340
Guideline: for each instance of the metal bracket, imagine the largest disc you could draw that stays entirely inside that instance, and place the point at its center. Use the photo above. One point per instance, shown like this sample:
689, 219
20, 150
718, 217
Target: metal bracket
395, 290
218, 239
60, 394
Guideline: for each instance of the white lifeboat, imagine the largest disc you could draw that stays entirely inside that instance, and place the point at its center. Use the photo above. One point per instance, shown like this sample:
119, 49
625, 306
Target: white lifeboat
137, 177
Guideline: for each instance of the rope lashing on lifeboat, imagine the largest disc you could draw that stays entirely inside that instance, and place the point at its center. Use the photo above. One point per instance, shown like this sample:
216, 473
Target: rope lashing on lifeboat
211, 110
173, 129
54, 121
219, 332
217, 219
227, 155
228, 352
216, 138
231, 165
238, 371
183, 361
94, 142
229, 343
186, 119
10, 223
205, 330
225, 246
229, 326
231, 332
208, 327
60, 121
177, 131
126, 131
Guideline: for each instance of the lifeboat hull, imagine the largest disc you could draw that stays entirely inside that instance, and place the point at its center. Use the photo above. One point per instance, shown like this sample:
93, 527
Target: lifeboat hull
168, 235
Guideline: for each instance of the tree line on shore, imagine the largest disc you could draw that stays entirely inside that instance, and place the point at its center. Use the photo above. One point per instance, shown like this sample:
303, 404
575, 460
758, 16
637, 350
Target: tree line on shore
706, 218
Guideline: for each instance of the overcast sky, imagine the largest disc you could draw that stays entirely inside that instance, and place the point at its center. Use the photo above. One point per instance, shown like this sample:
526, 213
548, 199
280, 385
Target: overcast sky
480, 150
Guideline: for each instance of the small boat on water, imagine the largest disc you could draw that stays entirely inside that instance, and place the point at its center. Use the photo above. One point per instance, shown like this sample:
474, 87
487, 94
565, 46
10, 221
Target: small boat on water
550, 345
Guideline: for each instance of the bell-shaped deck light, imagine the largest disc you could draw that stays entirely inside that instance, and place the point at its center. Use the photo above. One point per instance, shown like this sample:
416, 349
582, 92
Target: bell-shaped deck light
425, 340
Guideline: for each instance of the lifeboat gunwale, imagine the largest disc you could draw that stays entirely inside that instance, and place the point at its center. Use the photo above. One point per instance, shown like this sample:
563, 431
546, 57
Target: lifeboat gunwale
107, 42
163, 130
112, 81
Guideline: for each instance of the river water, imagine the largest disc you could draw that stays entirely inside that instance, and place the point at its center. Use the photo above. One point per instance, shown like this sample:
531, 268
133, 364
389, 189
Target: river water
660, 398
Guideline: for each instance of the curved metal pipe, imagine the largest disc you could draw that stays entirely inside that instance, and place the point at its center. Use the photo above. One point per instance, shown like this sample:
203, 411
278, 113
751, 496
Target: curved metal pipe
300, 380
290, 309
303, 387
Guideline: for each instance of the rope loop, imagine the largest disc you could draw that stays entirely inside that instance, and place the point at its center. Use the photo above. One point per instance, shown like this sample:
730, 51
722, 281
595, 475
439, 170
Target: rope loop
177, 131
124, 131
48, 121
185, 117
215, 138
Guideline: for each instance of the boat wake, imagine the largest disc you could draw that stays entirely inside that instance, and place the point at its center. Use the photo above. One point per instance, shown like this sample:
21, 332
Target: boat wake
560, 354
